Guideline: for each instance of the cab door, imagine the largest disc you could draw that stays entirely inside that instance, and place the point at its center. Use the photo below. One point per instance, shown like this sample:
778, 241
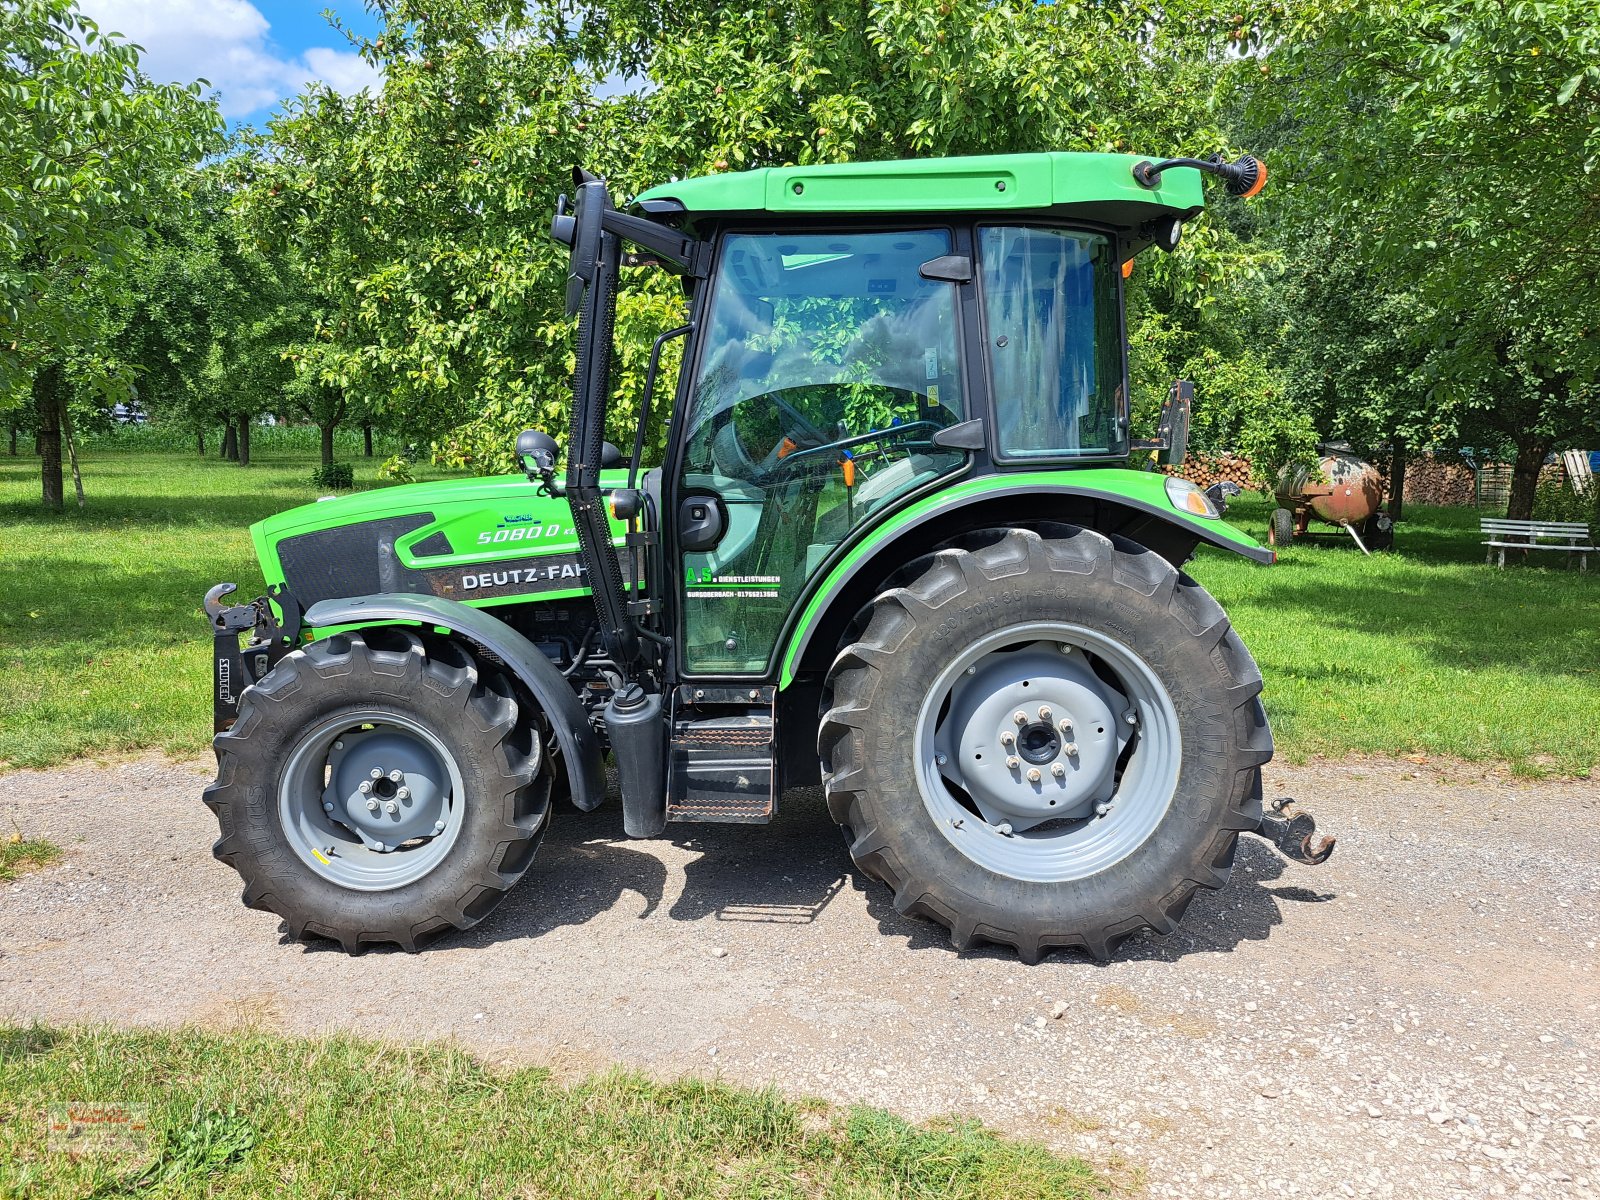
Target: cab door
826, 366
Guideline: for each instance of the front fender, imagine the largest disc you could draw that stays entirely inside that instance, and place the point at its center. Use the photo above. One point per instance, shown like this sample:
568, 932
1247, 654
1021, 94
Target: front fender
580, 747
1139, 492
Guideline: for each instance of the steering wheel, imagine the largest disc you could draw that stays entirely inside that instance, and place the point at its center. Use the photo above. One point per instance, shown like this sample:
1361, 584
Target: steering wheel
728, 448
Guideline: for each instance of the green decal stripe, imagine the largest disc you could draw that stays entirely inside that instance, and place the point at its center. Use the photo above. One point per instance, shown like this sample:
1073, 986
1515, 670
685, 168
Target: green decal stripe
1114, 483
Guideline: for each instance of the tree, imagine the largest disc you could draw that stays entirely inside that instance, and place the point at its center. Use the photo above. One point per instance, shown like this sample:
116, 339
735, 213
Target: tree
92, 147
1446, 155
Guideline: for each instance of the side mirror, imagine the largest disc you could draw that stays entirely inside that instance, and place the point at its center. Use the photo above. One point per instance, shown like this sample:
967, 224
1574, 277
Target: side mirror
1174, 427
536, 454
1171, 442
610, 456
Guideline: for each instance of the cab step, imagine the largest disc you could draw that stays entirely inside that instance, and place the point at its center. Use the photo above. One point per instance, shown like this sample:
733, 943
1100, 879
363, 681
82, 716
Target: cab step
722, 765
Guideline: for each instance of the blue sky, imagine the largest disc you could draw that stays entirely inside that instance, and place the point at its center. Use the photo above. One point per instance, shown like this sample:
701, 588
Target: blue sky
254, 52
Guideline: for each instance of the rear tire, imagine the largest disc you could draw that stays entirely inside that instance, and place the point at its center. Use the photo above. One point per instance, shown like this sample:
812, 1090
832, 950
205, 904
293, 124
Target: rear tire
469, 763
1159, 647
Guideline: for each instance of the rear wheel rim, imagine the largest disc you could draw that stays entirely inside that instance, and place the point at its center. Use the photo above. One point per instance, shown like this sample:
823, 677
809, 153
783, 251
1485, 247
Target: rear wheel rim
370, 800
1047, 752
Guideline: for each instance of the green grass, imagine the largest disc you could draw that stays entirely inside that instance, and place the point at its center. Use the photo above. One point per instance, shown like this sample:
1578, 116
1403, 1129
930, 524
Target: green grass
249, 1115
103, 646
1425, 650
25, 854
1422, 651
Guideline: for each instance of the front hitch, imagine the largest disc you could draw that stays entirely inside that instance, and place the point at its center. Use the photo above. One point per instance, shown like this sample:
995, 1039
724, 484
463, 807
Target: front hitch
1291, 829
234, 668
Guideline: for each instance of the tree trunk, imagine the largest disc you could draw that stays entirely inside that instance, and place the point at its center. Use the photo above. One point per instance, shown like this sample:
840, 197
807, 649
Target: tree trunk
200, 442
48, 385
1525, 478
327, 442
1397, 480
230, 442
13, 439
366, 438
72, 452
244, 440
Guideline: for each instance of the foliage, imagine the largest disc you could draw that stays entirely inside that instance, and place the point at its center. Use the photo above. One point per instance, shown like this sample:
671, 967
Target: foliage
1560, 501
1442, 160
339, 476
91, 150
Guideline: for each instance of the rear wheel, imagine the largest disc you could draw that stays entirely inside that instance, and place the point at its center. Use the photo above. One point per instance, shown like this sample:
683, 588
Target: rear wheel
1046, 743
376, 789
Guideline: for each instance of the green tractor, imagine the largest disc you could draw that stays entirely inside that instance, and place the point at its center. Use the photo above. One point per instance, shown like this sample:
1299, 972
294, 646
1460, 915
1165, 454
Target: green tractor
894, 547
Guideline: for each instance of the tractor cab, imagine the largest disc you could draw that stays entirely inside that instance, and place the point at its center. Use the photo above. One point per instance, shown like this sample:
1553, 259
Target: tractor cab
861, 335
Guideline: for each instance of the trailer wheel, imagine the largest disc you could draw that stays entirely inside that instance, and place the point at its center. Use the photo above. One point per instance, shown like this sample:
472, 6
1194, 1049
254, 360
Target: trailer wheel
1280, 532
1045, 743
379, 790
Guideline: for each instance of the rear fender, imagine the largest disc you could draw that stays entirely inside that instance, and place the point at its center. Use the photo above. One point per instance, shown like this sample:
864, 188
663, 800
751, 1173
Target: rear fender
580, 747
1131, 504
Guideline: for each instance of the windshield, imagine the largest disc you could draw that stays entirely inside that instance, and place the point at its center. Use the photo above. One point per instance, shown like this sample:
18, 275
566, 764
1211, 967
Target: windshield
1055, 341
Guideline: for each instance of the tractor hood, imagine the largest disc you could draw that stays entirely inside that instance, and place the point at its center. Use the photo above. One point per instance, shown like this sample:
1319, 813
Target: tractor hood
491, 540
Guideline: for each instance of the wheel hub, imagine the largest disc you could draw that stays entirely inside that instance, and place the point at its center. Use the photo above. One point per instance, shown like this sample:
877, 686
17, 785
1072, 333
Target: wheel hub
386, 787
1030, 736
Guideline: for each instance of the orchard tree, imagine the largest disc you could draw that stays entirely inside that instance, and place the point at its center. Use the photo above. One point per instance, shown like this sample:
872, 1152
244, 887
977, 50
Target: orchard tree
1450, 152
92, 148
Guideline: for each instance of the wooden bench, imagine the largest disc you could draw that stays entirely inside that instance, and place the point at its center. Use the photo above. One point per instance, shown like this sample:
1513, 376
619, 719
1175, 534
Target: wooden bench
1502, 535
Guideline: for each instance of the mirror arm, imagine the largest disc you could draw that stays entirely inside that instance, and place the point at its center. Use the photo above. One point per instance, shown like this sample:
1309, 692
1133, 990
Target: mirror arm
649, 395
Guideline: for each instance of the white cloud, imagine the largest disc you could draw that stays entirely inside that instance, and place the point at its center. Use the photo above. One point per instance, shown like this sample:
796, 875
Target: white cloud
226, 42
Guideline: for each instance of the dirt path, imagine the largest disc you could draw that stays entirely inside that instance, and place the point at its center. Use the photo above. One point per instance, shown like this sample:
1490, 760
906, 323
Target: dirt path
1419, 1018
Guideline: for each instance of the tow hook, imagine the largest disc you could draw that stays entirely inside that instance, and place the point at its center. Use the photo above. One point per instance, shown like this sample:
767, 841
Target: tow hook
1292, 830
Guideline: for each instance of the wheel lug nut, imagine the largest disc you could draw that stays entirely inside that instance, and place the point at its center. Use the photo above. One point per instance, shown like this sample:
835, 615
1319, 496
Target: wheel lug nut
365, 787
1072, 749
1065, 648
1044, 712
403, 794
1033, 775
1013, 762
391, 808
941, 759
397, 775
1021, 718
1065, 725
1058, 770
375, 773
327, 806
1101, 809
339, 745
372, 806
1131, 717
438, 826
1007, 738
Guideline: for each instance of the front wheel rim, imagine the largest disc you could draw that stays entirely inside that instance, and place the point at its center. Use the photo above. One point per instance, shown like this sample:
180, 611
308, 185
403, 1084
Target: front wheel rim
371, 800
1047, 752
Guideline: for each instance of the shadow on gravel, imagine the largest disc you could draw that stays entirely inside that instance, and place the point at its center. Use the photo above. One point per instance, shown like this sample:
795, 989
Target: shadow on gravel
789, 871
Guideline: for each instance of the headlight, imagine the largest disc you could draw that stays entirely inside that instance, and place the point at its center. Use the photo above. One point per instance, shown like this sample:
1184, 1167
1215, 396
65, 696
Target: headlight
1188, 497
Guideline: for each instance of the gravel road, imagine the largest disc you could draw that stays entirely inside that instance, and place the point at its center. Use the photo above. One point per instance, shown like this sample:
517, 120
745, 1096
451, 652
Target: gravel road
1418, 1018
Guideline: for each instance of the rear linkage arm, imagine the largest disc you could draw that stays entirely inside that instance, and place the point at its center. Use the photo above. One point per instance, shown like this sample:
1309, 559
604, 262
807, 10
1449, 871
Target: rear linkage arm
1292, 830
233, 669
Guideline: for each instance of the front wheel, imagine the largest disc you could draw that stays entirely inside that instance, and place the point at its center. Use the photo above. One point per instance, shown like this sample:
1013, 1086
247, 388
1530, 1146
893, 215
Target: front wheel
1046, 743
378, 789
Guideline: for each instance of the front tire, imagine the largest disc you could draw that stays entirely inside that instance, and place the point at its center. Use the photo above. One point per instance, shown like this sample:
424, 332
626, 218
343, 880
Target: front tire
1072, 822
376, 789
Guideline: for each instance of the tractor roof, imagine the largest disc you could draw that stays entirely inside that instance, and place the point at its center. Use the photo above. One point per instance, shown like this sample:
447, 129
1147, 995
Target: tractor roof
1097, 187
